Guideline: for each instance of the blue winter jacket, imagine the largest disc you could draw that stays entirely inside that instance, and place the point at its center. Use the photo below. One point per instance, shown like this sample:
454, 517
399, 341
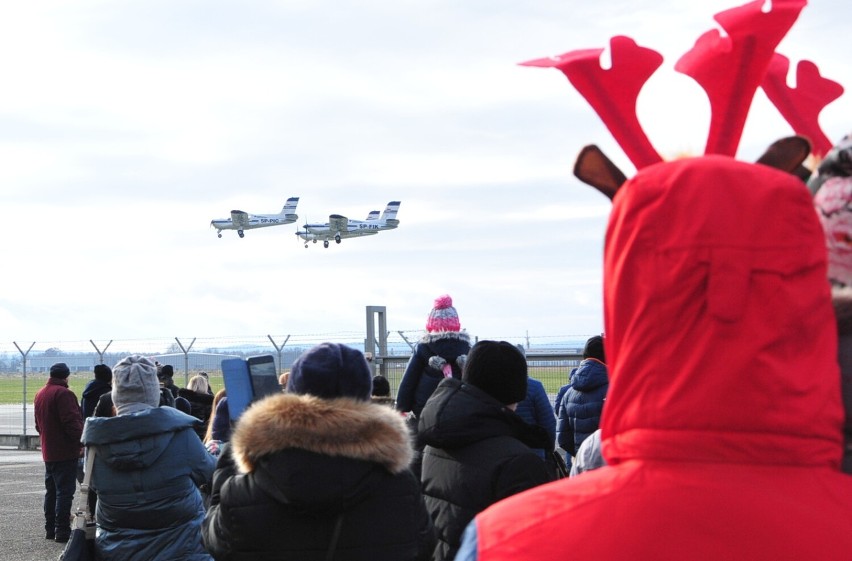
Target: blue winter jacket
557, 403
580, 411
535, 409
147, 471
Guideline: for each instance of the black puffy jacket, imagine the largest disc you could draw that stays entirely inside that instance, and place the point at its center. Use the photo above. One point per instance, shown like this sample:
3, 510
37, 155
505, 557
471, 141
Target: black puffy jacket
303, 476
477, 452
579, 413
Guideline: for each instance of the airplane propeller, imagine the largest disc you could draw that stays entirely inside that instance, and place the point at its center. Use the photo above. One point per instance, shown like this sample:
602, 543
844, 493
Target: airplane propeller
298, 232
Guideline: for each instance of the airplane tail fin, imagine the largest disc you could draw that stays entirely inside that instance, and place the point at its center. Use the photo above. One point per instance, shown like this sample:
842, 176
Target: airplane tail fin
390, 211
290, 206
374, 215
289, 210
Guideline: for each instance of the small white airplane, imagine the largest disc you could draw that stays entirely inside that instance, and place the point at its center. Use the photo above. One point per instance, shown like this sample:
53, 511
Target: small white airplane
241, 221
339, 227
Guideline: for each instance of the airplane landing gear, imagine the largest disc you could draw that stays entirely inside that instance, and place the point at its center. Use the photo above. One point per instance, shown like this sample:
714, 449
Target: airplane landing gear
337, 238
219, 234
325, 244
240, 232
306, 245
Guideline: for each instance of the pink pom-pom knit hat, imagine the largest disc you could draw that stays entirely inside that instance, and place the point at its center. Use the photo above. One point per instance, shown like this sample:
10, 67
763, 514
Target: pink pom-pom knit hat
443, 316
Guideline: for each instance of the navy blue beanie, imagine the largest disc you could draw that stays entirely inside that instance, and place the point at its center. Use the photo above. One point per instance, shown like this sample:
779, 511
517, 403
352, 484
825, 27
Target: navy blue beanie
331, 370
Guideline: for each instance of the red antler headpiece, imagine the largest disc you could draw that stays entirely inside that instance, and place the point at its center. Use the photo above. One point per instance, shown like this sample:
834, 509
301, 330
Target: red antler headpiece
801, 106
613, 93
729, 68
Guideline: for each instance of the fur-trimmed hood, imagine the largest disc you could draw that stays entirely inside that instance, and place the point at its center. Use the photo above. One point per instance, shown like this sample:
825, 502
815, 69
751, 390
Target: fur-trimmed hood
340, 427
429, 338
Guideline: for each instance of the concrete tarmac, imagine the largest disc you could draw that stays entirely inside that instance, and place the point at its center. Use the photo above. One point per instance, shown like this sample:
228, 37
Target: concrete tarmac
21, 514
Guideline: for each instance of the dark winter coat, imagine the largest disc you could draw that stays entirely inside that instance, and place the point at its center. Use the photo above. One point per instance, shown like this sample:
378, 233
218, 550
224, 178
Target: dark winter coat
201, 405
58, 421
147, 471
842, 300
420, 379
91, 394
222, 421
300, 470
581, 407
104, 408
477, 452
557, 402
169, 384
535, 409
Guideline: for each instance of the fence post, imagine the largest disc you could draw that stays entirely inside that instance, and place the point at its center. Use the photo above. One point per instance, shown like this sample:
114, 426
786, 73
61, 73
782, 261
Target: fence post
370, 342
24, 398
185, 360
277, 348
407, 342
100, 352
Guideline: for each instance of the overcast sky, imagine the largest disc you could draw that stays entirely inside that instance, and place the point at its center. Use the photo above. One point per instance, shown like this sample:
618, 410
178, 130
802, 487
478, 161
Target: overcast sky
126, 126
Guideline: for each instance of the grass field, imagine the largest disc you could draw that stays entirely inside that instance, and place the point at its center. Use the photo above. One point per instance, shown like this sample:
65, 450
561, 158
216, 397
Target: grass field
12, 385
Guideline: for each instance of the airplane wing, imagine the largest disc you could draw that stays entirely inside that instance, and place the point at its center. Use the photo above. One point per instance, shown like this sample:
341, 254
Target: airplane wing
338, 224
240, 219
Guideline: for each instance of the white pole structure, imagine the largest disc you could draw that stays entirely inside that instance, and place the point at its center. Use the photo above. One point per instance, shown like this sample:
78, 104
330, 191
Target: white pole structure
279, 349
24, 400
100, 352
185, 360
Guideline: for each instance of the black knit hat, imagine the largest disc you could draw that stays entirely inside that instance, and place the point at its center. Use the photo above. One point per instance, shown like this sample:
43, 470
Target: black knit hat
166, 371
103, 373
594, 348
499, 369
381, 386
331, 370
59, 370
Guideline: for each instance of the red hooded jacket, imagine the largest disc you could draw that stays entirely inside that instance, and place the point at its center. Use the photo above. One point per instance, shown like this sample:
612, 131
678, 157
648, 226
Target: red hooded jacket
722, 428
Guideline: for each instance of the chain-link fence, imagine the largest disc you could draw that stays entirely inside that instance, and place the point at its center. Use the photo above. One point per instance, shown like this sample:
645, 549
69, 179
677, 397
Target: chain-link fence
24, 366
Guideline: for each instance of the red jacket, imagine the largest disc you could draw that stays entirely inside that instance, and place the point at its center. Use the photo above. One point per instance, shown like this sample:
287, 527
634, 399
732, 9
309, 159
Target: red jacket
722, 428
58, 421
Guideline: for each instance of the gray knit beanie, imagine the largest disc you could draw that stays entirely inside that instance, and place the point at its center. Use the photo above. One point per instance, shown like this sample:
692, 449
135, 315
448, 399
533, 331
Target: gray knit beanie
135, 386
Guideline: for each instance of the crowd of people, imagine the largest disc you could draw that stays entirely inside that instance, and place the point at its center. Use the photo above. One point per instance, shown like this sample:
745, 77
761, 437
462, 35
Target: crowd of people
707, 423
